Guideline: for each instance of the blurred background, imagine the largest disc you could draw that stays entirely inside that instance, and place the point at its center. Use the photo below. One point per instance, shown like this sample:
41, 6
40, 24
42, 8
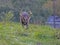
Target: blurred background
44, 11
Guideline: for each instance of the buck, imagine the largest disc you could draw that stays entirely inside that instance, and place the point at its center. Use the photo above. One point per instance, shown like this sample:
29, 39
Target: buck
24, 18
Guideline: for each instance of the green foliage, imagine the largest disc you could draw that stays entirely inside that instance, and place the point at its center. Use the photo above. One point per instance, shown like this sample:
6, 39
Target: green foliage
44, 35
7, 16
40, 8
36, 6
13, 34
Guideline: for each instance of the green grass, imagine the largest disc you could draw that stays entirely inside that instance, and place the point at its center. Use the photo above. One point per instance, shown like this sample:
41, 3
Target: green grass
14, 34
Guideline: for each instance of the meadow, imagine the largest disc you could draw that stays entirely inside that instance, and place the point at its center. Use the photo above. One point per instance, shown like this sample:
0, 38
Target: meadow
14, 34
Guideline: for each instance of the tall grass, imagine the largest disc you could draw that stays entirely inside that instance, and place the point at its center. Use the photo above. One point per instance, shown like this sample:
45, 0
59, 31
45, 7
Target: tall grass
14, 34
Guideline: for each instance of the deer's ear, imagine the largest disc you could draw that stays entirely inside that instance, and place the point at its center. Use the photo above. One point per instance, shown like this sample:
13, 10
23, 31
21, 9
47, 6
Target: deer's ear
30, 12
20, 13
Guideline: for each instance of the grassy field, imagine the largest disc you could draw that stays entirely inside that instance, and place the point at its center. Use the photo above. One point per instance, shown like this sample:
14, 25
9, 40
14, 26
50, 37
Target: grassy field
14, 34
